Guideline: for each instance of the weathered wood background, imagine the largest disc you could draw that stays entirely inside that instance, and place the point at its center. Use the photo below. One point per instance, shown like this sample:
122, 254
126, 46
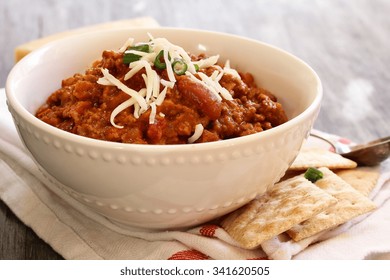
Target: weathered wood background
346, 42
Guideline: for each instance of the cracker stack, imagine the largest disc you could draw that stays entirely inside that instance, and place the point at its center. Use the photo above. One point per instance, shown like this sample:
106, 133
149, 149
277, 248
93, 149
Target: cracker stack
301, 208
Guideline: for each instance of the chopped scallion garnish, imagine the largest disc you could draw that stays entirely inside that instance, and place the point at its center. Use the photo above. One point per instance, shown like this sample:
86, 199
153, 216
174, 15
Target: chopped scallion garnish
142, 48
313, 174
159, 62
129, 57
179, 67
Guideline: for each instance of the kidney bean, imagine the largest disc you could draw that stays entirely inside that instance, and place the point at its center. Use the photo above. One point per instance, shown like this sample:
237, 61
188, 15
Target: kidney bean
201, 97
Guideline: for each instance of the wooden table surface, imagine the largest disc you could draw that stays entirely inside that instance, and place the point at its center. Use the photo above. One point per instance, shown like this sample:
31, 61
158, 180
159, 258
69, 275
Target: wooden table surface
346, 42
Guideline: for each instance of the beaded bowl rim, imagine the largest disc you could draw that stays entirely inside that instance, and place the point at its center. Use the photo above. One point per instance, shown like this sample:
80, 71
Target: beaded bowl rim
23, 113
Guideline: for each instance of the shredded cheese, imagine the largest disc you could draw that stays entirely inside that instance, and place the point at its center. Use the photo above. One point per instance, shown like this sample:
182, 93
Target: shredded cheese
168, 84
161, 97
124, 88
231, 71
156, 84
127, 44
120, 108
205, 63
170, 73
135, 69
197, 133
152, 112
151, 96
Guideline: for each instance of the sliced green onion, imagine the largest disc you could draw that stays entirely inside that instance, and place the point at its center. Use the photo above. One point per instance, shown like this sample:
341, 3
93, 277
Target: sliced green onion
313, 174
196, 67
179, 67
131, 57
142, 48
159, 62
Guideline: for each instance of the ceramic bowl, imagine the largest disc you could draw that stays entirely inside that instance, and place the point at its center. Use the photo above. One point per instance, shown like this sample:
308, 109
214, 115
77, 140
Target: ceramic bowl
157, 186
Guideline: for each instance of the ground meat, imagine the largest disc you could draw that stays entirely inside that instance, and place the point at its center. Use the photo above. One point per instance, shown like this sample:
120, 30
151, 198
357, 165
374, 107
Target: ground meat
82, 106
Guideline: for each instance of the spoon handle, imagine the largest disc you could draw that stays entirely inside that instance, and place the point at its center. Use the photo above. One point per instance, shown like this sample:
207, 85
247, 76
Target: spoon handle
330, 142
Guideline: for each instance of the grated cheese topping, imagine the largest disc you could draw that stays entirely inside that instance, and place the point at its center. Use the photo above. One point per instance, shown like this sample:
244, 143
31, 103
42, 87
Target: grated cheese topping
198, 132
151, 96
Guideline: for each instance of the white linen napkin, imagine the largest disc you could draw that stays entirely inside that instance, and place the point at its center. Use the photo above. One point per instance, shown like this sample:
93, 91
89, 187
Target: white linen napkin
79, 234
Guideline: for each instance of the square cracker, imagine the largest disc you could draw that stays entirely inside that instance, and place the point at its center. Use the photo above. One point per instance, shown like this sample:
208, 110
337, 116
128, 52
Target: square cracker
317, 157
350, 204
363, 179
285, 204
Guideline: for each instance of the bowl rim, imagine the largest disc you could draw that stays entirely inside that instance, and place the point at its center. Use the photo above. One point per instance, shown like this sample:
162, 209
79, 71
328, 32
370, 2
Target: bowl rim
13, 102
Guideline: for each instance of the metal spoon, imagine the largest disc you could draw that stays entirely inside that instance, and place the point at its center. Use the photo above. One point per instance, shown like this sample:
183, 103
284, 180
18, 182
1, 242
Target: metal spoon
369, 154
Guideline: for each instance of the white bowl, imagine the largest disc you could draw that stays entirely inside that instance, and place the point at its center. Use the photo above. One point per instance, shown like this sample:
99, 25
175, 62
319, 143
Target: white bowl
156, 186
